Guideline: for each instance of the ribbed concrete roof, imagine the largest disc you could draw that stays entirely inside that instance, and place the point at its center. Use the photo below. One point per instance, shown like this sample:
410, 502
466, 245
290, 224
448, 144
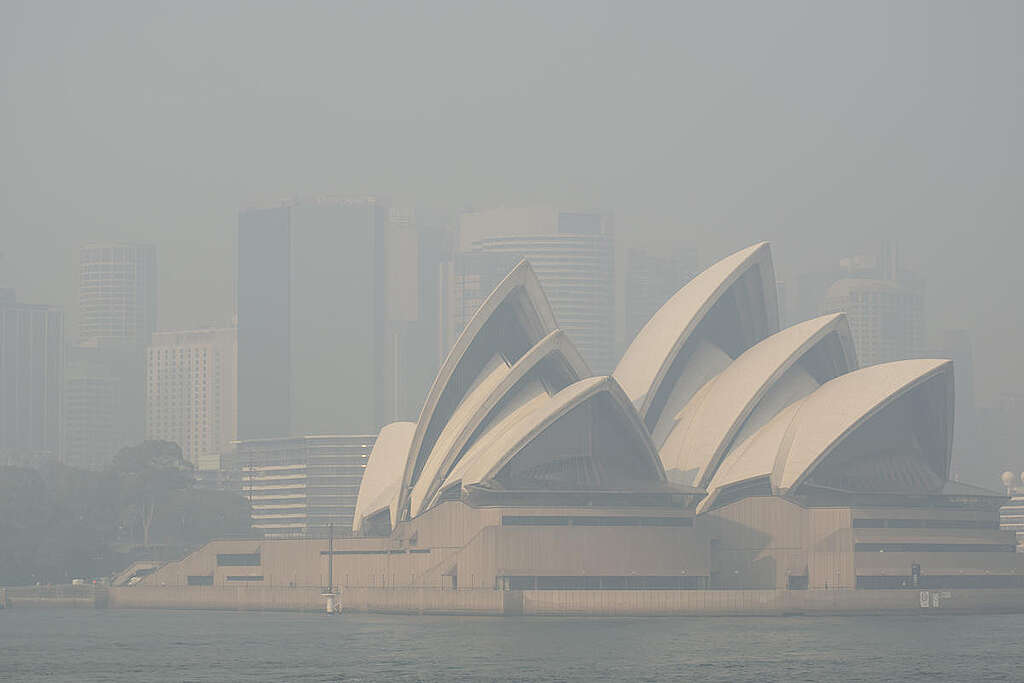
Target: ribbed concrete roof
801, 437
710, 421
488, 460
520, 288
836, 409
480, 402
647, 360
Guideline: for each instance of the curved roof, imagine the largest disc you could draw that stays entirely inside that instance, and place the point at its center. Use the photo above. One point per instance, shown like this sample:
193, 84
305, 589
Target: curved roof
647, 360
516, 313
382, 477
710, 422
838, 408
802, 436
754, 458
483, 464
481, 403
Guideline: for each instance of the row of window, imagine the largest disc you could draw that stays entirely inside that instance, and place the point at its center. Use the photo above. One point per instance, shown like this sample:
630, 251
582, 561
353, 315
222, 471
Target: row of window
941, 581
935, 547
519, 583
924, 524
539, 520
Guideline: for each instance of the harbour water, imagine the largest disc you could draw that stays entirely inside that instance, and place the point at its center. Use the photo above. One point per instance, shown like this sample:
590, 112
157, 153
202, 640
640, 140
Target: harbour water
148, 645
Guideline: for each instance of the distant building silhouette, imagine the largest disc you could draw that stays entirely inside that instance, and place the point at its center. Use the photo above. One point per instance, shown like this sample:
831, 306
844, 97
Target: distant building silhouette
31, 376
93, 430
336, 306
885, 304
572, 253
117, 300
191, 392
886, 318
117, 287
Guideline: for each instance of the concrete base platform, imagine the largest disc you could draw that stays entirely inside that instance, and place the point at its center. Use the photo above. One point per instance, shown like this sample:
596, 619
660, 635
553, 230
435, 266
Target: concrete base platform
574, 602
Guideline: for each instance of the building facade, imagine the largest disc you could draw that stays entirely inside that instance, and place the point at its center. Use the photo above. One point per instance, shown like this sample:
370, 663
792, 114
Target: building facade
191, 392
117, 302
298, 486
336, 302
117, 289
573, 254
92, 400
886, 317
31, 376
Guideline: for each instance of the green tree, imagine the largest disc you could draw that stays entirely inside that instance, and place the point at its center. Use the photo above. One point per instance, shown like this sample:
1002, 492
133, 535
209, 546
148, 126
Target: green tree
150, 474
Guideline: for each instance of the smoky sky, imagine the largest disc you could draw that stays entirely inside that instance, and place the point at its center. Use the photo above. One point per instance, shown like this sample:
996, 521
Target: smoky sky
822, 127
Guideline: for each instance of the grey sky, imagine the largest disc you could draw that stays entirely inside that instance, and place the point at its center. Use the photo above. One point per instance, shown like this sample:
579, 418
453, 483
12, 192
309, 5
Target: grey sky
821, 127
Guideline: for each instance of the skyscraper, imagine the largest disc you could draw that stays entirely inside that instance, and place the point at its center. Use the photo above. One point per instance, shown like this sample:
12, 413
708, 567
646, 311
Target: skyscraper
886, 318
573, 254
117, 289
117, 294
324, 289
31, 376
191, 392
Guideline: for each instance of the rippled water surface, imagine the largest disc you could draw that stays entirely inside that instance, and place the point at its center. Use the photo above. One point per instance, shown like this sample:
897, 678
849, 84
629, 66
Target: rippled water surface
145, 645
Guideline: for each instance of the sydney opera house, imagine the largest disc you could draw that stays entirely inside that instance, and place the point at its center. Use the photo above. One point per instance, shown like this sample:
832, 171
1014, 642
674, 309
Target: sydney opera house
722, 455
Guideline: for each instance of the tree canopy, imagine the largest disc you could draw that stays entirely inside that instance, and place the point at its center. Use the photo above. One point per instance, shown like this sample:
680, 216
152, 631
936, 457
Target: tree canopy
59, 523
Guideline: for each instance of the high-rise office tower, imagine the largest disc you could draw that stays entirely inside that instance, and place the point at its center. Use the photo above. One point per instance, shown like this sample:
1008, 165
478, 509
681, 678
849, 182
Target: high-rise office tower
651, 280
117, 286
117, 294
191, 392
573, 254
886, 318
31, 376
327, 291
884, 302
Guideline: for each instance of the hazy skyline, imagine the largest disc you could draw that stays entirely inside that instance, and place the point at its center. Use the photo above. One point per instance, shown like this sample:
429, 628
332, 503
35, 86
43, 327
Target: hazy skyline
820, 127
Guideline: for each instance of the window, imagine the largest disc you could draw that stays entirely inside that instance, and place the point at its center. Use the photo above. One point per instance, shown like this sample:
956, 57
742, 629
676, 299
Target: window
202, 580
238, 559
934, 548
542, 520
245, 578
600, 582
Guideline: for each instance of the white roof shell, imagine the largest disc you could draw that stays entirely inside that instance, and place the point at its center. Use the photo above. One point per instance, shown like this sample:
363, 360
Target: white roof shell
713, 418
798, 439
483, 463
520, 288
646, 362
480, 402
382, 477
839, 407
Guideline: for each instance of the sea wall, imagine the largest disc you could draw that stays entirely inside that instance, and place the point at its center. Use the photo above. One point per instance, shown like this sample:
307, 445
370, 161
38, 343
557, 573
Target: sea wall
217, 597
53, 596
573, 602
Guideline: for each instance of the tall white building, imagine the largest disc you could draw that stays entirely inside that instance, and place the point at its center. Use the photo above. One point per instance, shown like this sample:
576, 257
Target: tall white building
117, 294
191, 392
573, 254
